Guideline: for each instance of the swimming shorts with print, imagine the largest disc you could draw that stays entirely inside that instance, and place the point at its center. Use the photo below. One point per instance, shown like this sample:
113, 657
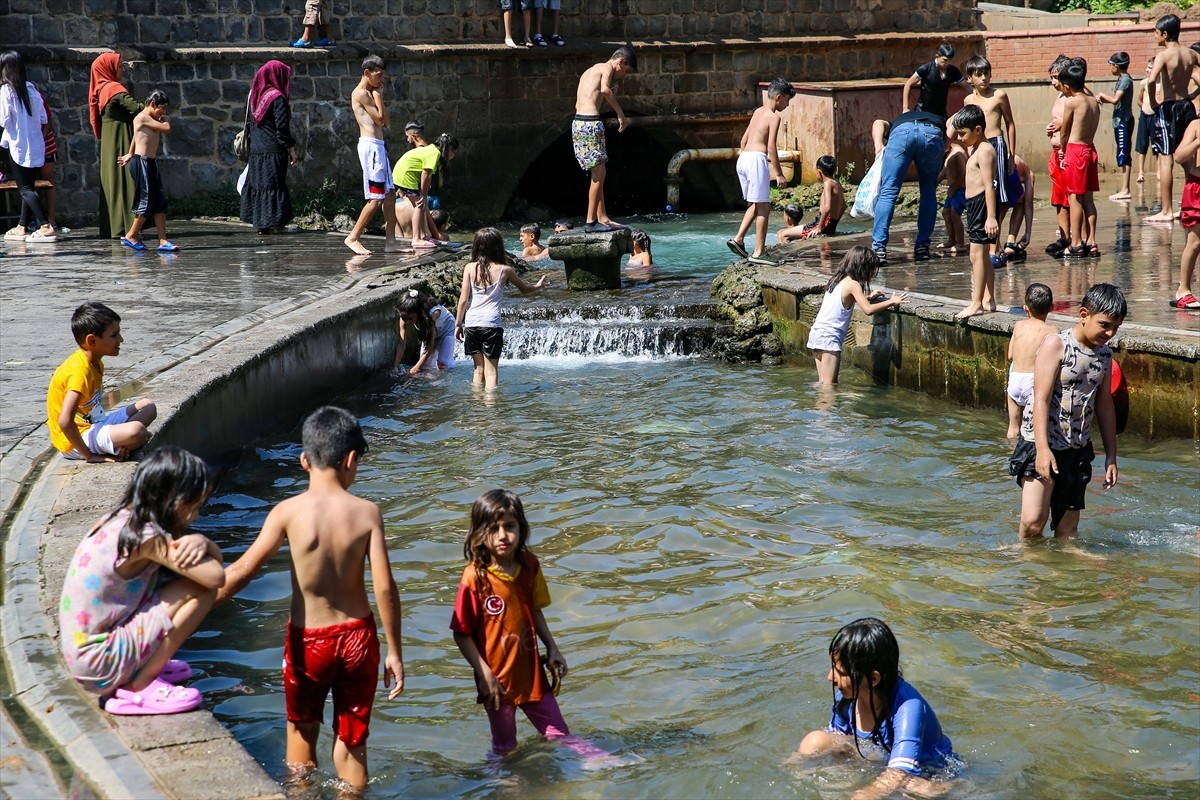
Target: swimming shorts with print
344, 658
587, 137
377, 172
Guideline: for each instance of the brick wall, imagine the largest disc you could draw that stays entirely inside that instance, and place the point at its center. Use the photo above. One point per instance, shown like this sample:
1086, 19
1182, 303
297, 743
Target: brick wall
1026, 55
185, 23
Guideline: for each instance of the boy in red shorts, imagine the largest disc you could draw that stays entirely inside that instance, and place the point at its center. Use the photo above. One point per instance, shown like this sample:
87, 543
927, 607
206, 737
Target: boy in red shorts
1081, 178
1058, 194
1188, 154
331, 639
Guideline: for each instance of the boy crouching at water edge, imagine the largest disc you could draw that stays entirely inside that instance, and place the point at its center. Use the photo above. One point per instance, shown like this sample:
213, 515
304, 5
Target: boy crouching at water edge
758, 162
79, 428
1027, 336
331, 640
982, 226
367, 103
1071, 388
149, 200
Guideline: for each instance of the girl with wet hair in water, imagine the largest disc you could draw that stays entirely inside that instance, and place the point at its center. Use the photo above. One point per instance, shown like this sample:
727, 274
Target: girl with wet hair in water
641, 249
434, 326
872, 701
477, 322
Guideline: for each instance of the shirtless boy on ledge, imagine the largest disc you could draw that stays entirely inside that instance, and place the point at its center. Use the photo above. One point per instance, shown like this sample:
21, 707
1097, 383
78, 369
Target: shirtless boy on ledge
587, 129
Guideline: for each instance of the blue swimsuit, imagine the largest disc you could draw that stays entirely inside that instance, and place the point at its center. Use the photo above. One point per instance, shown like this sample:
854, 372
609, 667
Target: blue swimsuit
914, 739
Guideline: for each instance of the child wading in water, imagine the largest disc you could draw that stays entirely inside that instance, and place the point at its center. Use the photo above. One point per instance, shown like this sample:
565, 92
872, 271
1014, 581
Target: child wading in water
872, 701
434, 326
149, 200
500, 600
1027, 336
849, 285
119, 630
478, 319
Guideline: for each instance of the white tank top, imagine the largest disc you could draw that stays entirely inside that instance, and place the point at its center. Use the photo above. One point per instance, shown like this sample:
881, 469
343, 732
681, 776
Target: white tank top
484, 311
833, 319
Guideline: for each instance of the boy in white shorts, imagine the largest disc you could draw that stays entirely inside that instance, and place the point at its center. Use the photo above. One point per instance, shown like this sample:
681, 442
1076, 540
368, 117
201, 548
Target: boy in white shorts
1027, 336
79, 428
367, 103
758, 160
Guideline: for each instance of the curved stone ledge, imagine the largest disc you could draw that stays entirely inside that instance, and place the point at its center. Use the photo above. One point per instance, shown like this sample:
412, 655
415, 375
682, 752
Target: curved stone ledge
249, 377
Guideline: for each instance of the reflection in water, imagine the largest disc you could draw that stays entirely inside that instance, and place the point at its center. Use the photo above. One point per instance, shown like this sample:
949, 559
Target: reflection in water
705, 529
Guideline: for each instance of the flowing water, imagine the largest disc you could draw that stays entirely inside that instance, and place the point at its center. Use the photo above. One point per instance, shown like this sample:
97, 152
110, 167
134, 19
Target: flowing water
705, 529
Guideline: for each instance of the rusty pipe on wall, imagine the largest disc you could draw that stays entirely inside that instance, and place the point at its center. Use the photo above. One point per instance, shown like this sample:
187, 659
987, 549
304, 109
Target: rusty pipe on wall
674, 177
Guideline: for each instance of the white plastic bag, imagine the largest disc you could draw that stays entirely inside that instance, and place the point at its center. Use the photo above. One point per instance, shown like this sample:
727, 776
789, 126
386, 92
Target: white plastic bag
868, 191
241, 180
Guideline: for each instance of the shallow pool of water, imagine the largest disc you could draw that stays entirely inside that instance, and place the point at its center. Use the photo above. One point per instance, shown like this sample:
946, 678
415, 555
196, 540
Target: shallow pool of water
705, 530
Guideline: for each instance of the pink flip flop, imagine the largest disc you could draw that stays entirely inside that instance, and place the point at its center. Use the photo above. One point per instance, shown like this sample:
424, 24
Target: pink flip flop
159, 697
175, 671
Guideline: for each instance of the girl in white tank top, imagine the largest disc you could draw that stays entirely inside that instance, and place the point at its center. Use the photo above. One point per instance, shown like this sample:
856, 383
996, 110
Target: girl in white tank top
478, 318
849, 285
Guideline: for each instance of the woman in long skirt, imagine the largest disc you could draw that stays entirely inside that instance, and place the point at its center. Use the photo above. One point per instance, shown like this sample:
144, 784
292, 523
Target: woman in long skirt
266, 203
112, 110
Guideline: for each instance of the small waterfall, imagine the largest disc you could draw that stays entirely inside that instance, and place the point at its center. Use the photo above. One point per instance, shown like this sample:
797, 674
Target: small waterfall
627, 330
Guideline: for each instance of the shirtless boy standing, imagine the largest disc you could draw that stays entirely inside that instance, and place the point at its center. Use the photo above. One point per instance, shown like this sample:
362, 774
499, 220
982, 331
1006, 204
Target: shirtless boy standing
331, 640
1058, 195
367, 102
1081, 179
587, 129
1027, 336
1001, 133
1178, 67
760, 150
149, 200
982, 227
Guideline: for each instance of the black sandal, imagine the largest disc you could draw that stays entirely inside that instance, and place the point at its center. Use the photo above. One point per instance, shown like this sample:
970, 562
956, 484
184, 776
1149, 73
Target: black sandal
1057, 247
1079, 251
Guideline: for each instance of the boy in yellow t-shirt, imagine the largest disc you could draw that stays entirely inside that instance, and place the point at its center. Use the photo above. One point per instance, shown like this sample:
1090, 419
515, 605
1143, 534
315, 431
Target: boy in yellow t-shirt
79, 428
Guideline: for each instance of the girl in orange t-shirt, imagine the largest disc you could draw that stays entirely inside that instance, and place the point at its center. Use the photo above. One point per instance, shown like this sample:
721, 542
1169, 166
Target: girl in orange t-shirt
498, 620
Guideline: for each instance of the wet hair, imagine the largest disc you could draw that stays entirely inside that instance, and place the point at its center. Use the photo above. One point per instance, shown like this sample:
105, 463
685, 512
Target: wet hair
12, 73
1072, 76
864, 646
1039, 298
827, 165
793, 213
415, 125
1058, 63
1169, 26
329, 435
780, 86
158, 98
626, 53
373, 64
92, 317
487, 248
167, 479
444, 143
440, 217
1080, 62
416, 302
860, 264
641, 239
977, 65
485, 513
1119, 59
1104, 298
534, 228
968, 118
945, 50
562, 223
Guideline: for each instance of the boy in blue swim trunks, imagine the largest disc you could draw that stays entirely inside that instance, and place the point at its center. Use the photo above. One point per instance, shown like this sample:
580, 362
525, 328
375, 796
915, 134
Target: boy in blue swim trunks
1071, 391
954, 173
587, 129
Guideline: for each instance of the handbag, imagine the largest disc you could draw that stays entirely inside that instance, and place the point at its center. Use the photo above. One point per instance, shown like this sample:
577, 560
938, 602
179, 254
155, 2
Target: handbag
241, 141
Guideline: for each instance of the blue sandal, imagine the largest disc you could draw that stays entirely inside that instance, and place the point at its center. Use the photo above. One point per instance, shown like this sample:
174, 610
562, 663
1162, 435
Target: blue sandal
168, 247
139, 246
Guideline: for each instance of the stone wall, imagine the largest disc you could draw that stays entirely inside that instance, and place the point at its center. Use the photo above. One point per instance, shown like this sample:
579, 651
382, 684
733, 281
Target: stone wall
187, 23
504, 107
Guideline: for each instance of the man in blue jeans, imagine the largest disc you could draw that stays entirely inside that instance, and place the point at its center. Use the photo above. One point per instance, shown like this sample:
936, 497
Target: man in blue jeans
915, 136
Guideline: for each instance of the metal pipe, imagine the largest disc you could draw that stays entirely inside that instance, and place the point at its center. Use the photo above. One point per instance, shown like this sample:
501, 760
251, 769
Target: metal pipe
674, 178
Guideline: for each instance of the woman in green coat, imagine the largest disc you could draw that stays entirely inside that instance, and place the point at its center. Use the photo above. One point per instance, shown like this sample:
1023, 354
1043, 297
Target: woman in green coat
112, 110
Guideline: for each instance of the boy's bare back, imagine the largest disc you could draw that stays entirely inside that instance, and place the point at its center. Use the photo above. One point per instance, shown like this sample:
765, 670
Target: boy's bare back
1083, 112
587, 96
328, 533
1176, 65
954, 170
761, 132
1027, 336
833, 198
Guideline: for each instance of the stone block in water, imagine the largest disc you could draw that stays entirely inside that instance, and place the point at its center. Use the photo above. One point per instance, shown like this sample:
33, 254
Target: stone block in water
593, 260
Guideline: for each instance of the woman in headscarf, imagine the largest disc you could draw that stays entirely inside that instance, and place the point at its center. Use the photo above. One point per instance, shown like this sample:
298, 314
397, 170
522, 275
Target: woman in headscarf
112, 110
266, 203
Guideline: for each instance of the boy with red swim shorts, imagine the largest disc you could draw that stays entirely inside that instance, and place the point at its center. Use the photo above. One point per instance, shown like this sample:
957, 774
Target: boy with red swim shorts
331, 640
1188, 154
1081, 117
